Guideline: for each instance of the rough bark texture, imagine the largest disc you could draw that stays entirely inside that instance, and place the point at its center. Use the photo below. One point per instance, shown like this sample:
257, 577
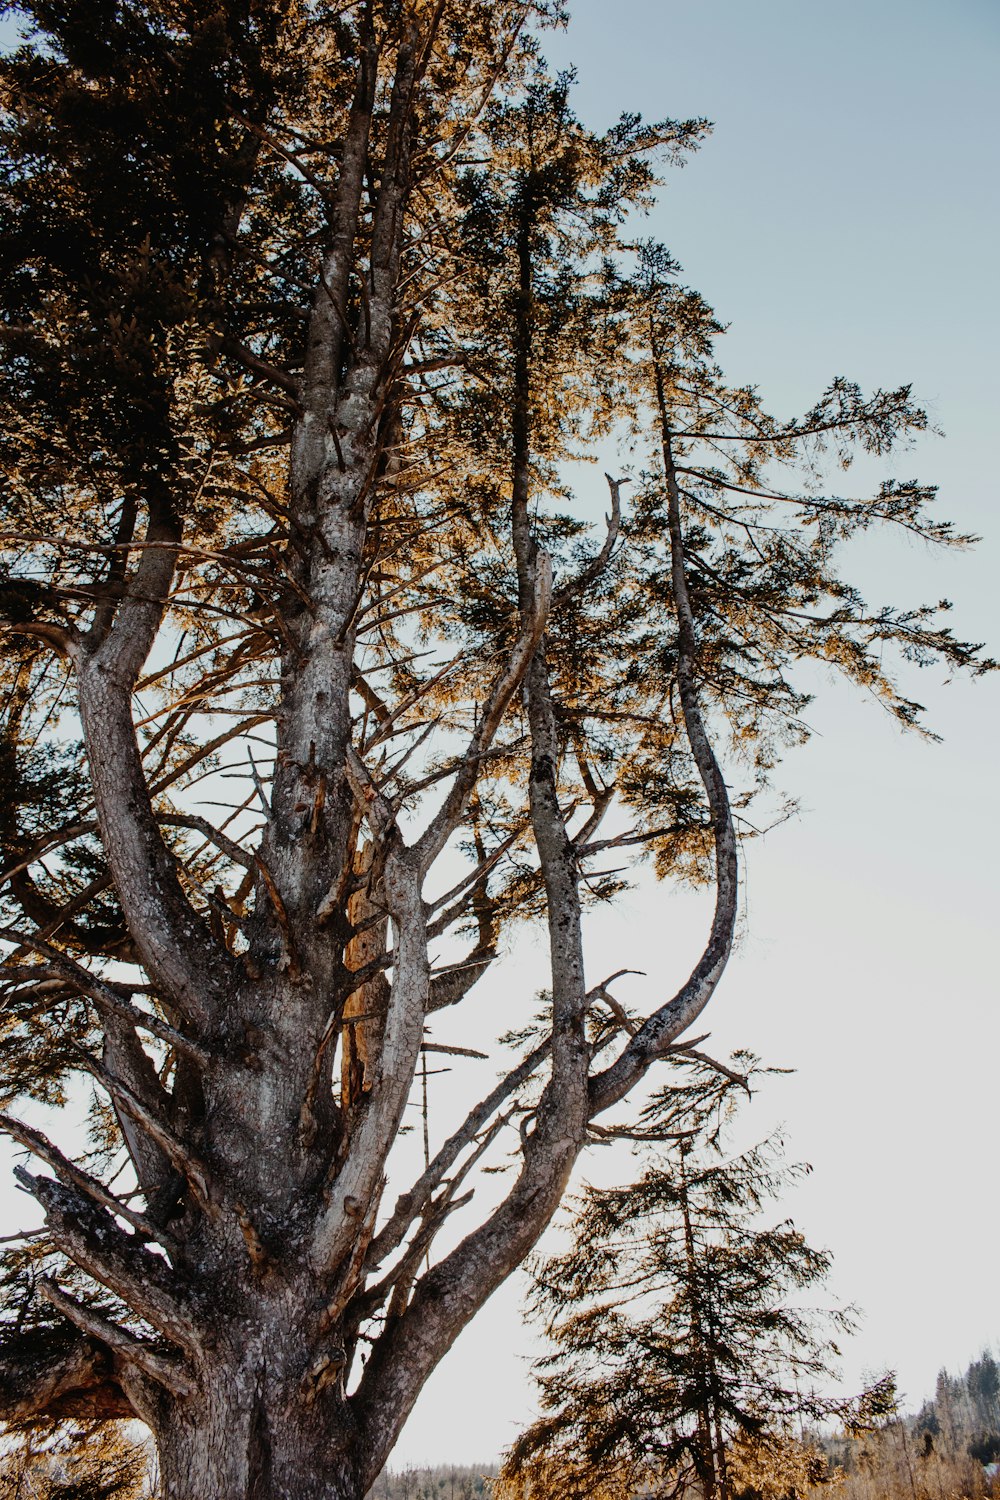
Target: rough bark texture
260, 1429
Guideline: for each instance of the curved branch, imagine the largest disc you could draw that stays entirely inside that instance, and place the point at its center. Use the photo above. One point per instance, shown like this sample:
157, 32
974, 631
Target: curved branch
657, 1034
597, 564
176, 948
64, 639
450, 1294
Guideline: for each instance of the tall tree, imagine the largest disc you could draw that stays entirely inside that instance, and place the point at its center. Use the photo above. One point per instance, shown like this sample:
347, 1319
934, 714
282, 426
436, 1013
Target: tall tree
680, 1340
305, 306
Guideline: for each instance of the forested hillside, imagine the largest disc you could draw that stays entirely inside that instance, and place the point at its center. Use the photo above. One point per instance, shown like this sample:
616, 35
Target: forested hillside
950, 1448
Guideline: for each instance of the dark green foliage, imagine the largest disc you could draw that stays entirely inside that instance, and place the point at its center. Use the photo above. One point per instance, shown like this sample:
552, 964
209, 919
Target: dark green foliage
986, 1449
943, 1450
982, 1381
965, 1411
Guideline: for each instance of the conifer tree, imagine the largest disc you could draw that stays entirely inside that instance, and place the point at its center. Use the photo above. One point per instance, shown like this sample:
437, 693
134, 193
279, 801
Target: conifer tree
316, 681
685, 1347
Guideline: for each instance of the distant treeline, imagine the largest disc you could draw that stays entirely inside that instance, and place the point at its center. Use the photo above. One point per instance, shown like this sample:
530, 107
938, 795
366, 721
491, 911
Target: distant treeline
439, 1482
949, 1449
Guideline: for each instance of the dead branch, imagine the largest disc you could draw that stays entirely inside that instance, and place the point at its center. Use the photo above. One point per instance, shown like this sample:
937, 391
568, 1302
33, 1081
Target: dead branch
166, 1371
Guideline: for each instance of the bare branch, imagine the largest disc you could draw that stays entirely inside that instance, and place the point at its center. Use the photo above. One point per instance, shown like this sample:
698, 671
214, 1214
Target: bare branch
75, 1177
90, 1237
410, 1205
262, 368
658, 1033
691, 1050
105, 995
596, 566
166, 1371
185, 1160
238, 855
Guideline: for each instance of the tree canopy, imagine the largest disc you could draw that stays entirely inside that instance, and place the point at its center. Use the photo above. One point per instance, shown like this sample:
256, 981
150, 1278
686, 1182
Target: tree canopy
318, 679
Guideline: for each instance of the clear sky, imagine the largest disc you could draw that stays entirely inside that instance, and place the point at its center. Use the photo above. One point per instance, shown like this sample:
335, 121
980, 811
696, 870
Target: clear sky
843, 218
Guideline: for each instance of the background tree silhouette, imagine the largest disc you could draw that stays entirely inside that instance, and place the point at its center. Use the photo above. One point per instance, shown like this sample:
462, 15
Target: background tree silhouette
686, 1351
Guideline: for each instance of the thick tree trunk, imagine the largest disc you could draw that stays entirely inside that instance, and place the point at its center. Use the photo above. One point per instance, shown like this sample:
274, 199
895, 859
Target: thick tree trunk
253, 1433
